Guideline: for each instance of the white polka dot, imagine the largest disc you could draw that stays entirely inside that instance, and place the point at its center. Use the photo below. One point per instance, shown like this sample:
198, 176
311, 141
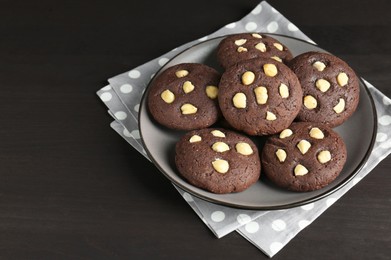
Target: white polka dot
243, 219
278, 225
187, 197
252, 227
381, 137
308, 206
303, 223
275, 247
126, 88
292, 27
135, 134
230, 26
272, 27
137, 107
217, 216
162, 61
257, 9
127, 133
274, 10
386, 145
203, 39
107, 88
153, 75
311, 41
251, 26
120, 115
134, 74
330, 201
385, 120
106, 96
386, 101
356, 180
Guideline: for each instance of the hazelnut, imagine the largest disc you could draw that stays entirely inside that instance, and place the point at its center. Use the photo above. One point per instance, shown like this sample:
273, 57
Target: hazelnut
316, 133
340, 107
241, 49
181, 73
281, 155
220, 165
276, 58
212, 91
260, 46
248, 77
243, 148
270, 116
300, 170
188, 87
239, 100
320, 66
324, 156
342, 79
322, 84
217, 133
285, 133
195, 138
240, 42
261, 95
278, 46
270, 69
304, 146
310, 102
188, 109
256, 35
284, 90
220, 147
167, 96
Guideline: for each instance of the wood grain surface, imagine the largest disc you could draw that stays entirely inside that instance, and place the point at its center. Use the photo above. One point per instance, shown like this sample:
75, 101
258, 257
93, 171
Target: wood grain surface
71, 188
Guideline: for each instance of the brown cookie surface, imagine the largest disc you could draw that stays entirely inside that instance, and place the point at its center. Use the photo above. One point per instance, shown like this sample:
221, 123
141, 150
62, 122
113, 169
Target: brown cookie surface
330, 88
184, 97
304, 157
259, 96
218, 160
244, 46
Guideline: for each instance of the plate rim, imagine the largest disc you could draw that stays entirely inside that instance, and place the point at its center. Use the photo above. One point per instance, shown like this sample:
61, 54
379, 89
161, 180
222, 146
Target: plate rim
249, 207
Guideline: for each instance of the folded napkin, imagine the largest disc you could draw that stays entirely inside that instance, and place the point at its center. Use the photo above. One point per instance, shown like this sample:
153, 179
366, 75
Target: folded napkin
269, 231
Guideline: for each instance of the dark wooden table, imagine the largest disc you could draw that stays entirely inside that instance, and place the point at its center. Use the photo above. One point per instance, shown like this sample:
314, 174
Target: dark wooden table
71, 188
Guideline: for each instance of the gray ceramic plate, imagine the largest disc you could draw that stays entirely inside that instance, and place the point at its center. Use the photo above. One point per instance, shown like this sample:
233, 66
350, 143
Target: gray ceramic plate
358, 133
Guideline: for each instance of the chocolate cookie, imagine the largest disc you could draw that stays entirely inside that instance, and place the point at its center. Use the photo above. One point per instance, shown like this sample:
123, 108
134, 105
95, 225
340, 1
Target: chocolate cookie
304, 157
218, 160
184, 97
259, 96
330, 88
245, 46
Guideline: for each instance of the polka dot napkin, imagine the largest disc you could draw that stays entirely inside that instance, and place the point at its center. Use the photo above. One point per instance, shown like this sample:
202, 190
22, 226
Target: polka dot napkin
269, 231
